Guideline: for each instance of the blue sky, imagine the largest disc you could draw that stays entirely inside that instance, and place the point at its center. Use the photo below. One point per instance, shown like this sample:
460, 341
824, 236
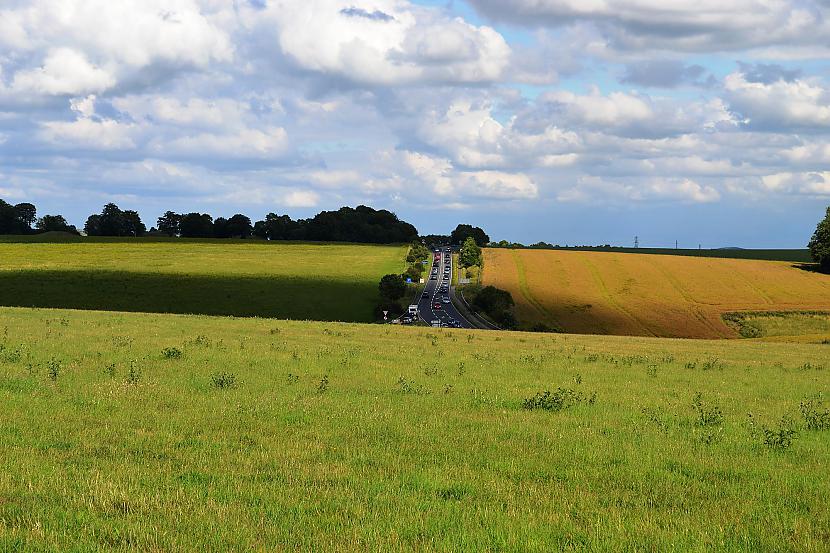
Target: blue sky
574, 122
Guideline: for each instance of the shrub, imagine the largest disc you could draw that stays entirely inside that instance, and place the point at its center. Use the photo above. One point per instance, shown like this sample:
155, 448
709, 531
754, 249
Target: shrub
134, 374
323, 386
707, 415
171, 353
781, 437
558, 400
53, 369
223, 380
815, 418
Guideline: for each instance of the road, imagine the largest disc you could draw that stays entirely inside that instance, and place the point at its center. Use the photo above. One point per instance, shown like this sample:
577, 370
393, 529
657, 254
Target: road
447, 312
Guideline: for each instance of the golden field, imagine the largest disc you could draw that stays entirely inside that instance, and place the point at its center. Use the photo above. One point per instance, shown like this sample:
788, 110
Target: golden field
648, 295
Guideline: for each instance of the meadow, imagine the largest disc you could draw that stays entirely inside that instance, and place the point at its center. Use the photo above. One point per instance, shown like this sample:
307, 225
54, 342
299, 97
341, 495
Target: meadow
649, 295
214, 277
176, 433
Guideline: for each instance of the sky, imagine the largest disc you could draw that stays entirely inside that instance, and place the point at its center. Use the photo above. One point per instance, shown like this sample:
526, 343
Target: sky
705, 122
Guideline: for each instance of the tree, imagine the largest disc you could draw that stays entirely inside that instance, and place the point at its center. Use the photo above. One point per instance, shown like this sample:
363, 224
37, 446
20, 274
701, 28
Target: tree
470, 253
275, 227
132, 224
417, 253
220, 228
26, 215
820, 243
392, 287
497, 304
169, 223
196, 225
92, 227
239, 226
54, 223
114, 222
462, 232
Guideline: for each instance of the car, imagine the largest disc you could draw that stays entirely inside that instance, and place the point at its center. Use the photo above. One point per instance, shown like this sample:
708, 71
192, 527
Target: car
433, 277
445, 300
436, 305
425, 295
435, 323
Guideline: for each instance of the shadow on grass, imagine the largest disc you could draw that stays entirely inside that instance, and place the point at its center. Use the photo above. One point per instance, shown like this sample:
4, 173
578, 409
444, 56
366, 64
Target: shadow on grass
242, 296
812, 268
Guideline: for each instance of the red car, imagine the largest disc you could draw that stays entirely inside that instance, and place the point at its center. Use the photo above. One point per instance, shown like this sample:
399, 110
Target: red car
436, 305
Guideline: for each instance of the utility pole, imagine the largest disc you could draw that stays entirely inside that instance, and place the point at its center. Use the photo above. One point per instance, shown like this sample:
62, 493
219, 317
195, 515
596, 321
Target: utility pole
675, 244
636, 242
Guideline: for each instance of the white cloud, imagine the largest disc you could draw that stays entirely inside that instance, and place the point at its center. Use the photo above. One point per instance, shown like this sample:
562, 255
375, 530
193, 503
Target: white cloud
87, 132
301, 198
680, 25
811, 183
404, 43
444, 180
596, 189
779, 104
64, 71
270, 143
93, 45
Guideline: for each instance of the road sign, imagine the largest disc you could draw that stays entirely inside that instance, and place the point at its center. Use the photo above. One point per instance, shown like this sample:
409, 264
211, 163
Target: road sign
409, 281
385, 313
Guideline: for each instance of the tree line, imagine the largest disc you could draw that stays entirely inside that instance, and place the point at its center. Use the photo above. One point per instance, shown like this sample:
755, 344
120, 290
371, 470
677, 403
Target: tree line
22, 219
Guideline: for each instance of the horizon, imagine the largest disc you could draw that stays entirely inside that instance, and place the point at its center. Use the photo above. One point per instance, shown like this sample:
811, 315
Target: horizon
536, 121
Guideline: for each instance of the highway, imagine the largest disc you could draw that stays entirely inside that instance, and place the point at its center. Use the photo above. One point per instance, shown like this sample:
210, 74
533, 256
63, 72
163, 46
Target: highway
434, 294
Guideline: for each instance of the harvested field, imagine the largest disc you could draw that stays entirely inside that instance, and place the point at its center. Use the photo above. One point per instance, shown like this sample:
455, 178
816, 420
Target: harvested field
648, 295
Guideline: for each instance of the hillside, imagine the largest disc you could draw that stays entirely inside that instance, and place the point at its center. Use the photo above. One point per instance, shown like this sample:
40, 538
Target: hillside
179, 433
243, 278
648, 295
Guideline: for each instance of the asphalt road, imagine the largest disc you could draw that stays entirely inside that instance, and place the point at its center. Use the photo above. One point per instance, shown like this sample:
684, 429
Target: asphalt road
447, 311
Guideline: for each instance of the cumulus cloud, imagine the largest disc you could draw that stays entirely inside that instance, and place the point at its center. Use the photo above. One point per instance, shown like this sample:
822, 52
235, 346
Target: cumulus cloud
385, 42
779, 104
592, 189
95, 45
679, 25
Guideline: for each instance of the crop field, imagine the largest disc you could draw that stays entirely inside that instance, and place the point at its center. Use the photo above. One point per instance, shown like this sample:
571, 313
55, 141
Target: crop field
285, 280
648, 295
173, 432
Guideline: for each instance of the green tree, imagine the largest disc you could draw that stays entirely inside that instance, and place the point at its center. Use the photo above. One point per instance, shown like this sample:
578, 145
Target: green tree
196, 225
470, 253
169, 223
114, 222
392, 287
820, 243
54, 223
239, 226
26, 214
462, 232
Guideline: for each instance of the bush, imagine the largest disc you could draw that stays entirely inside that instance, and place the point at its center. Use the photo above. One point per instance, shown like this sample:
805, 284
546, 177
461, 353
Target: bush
171, 353
558, 400
815, 418
392, 287
223, 380
781, 437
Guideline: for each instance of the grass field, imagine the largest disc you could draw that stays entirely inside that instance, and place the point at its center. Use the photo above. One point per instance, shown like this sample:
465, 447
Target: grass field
180, 433
648, 295
286, 280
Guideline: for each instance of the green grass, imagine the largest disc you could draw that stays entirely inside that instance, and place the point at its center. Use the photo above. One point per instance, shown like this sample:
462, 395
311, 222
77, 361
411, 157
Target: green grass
777, 324
243, 278
276, 435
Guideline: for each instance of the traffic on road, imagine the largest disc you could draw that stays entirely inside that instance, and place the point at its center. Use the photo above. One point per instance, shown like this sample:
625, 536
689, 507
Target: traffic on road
435, 306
